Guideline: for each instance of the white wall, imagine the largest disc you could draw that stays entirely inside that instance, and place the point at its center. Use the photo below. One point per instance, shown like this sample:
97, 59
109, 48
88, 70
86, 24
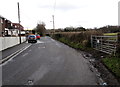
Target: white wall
0, 44
6, 42
23, 39
0, 29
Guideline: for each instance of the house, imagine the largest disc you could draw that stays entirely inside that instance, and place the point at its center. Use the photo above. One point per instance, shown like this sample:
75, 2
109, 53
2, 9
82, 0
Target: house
17, 26
2, 25
7, 28
15, 29
5, 25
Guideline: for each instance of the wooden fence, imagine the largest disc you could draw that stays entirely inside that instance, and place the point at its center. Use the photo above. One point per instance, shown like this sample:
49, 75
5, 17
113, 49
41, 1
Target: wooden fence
106, 44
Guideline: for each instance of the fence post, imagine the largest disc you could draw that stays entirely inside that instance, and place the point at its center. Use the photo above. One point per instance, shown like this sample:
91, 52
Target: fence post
118, 37
101, 43
91, 41
118, 45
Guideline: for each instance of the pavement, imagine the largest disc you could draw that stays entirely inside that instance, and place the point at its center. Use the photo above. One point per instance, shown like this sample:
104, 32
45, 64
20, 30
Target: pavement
11, 50
47, 62
8, 53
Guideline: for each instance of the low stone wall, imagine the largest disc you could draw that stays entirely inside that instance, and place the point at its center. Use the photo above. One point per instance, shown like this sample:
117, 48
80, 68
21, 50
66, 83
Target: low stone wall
6, 42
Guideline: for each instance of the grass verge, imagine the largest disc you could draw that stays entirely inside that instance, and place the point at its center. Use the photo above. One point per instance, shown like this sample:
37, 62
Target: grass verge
71, 44
113, 64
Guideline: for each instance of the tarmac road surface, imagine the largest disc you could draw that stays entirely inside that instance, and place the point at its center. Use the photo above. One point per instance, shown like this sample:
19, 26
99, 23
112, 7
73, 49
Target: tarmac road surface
47, 62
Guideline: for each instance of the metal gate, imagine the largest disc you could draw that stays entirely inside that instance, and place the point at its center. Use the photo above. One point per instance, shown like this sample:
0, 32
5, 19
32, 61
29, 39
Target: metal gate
106, 44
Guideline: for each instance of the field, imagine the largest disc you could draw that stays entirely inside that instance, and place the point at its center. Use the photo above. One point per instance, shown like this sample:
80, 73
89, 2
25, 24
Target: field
110, 34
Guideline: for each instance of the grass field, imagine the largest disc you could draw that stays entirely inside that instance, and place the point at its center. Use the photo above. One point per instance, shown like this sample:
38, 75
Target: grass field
110, 34
114, 36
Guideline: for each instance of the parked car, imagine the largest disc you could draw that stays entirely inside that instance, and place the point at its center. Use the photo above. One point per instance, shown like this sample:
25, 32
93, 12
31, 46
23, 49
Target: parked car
32, 38
38, 37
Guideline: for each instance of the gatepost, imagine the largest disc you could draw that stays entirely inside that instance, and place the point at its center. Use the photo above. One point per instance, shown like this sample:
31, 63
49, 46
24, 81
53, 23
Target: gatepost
118, 45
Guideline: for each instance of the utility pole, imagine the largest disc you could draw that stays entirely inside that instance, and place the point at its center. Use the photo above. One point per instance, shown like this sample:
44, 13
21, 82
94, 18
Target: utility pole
118, 13
53, 23
19, 22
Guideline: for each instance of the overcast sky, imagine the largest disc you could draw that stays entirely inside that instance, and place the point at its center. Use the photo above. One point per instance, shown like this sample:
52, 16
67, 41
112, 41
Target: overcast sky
85, 13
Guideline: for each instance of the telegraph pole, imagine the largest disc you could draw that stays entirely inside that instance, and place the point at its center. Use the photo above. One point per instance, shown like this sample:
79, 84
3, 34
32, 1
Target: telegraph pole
19, 22
118, 13
53, 23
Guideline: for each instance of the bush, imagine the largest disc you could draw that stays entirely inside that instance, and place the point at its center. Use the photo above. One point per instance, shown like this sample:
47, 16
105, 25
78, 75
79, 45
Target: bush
79, 40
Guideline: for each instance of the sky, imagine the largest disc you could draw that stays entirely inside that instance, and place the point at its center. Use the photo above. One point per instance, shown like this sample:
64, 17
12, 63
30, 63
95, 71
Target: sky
67, 13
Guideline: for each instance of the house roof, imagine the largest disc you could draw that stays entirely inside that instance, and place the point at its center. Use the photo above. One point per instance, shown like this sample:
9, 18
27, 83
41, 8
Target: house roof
1, 16
18, 26
5, 18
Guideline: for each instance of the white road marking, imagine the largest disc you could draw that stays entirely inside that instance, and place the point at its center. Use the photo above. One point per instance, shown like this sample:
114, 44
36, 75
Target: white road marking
25, 54
41, 47
20, 51
53, 40
40, 41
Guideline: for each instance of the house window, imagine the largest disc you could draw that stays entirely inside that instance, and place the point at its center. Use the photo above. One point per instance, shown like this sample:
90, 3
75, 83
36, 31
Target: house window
15, 26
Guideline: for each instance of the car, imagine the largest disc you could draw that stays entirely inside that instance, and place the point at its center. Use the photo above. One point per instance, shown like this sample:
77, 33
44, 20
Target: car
38, 37
32, 39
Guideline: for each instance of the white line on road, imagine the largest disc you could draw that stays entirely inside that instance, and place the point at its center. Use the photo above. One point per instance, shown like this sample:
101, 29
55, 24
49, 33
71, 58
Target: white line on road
52, 40
41, 47
9, 58
39, 42
25, 54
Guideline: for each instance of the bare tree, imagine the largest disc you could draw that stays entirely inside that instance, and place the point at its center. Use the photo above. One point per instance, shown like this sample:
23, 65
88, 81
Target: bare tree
40, 28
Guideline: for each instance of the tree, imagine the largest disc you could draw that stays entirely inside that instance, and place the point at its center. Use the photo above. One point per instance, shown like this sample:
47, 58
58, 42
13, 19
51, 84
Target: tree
72, 29
69, 29
33, 31
80, 29
40, 28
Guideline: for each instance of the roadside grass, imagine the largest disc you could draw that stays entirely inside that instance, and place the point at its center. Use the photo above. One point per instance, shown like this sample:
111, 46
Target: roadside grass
113, 64
71, 43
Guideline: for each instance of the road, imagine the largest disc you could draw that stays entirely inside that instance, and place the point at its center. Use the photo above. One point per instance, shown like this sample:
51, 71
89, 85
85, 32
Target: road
48, 62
